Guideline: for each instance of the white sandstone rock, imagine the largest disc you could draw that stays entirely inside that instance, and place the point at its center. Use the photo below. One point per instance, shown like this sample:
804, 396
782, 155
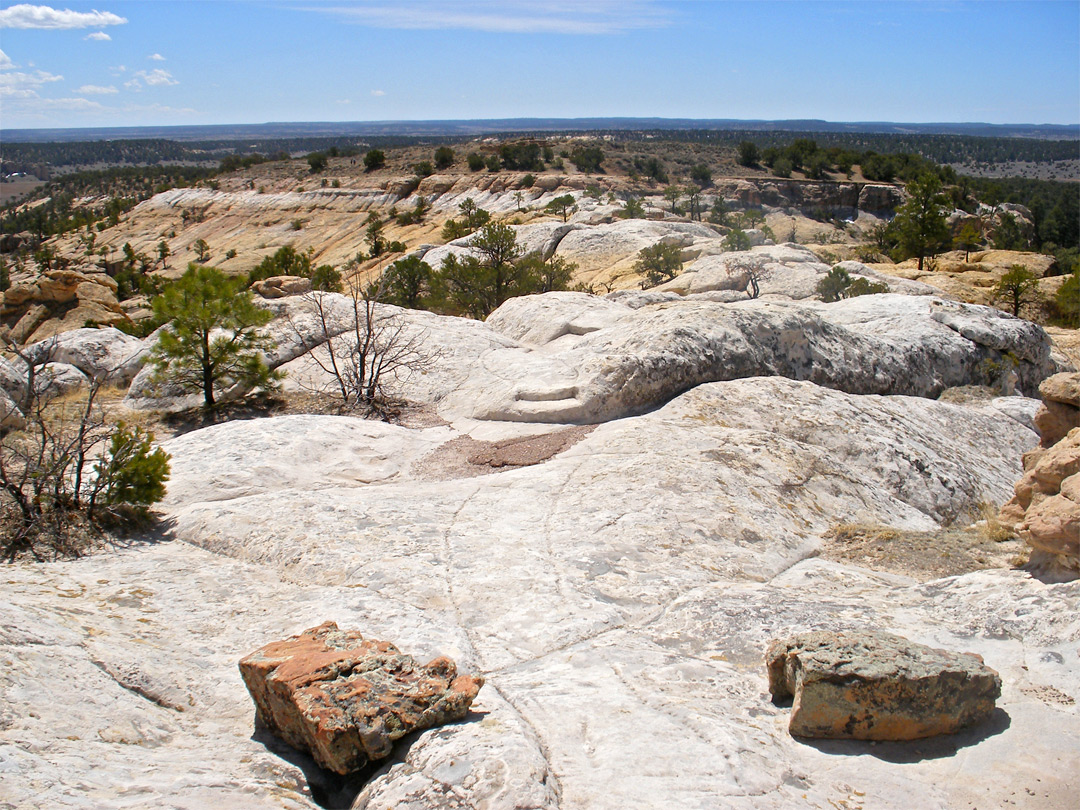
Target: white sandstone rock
106, 353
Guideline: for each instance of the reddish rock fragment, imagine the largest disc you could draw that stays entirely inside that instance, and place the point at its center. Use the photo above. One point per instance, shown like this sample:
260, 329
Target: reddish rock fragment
345, 700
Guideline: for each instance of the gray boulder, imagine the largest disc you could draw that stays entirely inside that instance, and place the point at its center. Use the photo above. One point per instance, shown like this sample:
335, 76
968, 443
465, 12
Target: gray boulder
56, 379
871, 685
105, 354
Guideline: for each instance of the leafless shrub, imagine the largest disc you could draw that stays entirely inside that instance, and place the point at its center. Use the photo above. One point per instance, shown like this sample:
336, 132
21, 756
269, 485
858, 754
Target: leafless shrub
375, 346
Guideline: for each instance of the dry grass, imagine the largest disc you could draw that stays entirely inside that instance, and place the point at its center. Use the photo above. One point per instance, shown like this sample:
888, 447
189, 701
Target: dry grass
926, 555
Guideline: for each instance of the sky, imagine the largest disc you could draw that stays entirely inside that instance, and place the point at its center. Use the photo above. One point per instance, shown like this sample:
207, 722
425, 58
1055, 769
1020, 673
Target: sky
182, 62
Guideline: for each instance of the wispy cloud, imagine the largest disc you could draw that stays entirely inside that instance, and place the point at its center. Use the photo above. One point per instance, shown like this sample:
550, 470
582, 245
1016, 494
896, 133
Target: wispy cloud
56, 110
156, 57
99, 36
153, 78
97, 90
24, 85
378, 92
25, 15
584, 17
5, 62
160, 108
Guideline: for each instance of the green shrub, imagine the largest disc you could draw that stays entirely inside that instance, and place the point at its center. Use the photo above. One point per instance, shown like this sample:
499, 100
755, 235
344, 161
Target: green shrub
1066, 303
838, 285
659, 263
132, 472
326, 278
374, 159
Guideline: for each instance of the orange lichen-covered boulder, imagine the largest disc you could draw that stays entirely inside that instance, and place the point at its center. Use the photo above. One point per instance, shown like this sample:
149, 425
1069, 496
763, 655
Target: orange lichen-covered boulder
870, 685
345, 700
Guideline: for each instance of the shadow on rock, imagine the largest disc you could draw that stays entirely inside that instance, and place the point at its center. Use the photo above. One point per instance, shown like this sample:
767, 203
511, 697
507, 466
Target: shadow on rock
910, 751
332, 790
328, 789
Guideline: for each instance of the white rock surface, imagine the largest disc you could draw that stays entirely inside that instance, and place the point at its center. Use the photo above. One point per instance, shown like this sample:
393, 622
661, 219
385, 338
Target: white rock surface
12, 378
787, 271
56, 379
617, 598
106, 353
885, 344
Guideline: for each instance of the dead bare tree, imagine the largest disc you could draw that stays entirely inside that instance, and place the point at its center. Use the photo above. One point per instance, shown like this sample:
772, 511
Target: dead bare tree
752, 271
375, 343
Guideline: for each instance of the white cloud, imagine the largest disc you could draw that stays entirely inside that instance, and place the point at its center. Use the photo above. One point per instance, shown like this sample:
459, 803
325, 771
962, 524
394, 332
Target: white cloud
153, 78
160, 108
24, 85
97, 90
344, 101
156, 57
73, 104
507, 16
5, 62
157, 78
99, 36
25, 15
378, 92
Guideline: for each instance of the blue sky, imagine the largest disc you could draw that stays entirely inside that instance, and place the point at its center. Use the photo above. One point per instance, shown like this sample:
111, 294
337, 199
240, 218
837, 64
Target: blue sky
154, 62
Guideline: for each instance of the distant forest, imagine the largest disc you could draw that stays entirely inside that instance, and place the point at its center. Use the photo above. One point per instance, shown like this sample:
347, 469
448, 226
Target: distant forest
49, 158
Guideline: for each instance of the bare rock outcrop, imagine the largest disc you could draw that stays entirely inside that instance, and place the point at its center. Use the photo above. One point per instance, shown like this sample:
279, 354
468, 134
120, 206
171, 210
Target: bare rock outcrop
345, 700
59, 300
1060, 411
606, 367
870, 685
1045, 510
282, 286
105, 354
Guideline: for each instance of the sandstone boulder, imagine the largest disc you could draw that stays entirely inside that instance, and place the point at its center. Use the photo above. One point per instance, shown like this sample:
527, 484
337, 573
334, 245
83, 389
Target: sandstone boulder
1045, 510
880, 199
882, 344
787, 270
871, 685
345, 700
282, 286
542, 319
12, 378
28, 323
1060, 411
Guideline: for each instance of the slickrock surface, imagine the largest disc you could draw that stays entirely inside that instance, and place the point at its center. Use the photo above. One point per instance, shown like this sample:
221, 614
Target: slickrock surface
615, 596
868, 685
346, 700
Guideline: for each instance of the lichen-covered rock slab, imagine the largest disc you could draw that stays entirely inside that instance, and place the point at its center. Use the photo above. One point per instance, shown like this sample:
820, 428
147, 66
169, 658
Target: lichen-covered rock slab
345, 700
871, 685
